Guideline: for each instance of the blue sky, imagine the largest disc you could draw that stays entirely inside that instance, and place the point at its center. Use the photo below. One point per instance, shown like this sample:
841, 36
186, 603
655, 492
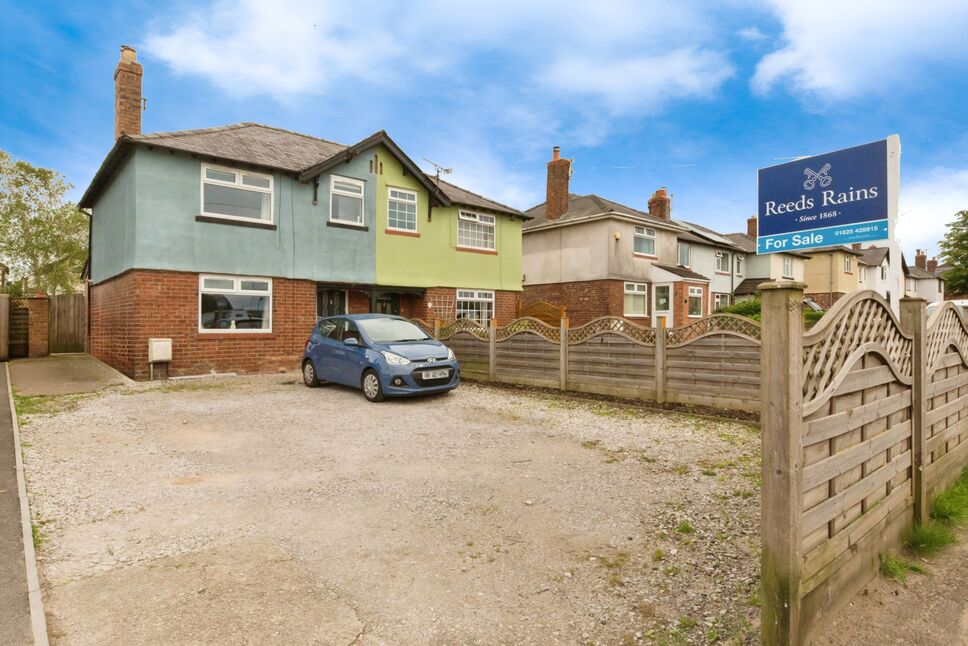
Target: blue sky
641, 94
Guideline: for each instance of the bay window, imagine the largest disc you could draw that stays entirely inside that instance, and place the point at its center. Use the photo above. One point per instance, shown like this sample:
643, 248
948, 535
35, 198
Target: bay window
234, 304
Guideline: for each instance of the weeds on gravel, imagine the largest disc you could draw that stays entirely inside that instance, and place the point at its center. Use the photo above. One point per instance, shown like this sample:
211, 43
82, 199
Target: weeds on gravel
896, 568
658, 555
951, 507
685, 527
929, 538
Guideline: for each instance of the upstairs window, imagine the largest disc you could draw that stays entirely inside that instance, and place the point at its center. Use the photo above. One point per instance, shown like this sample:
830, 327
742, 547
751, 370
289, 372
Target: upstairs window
787, 267
883, 272
347, 200
862, 274
475, 231
236, 195
722, 262
476, 305
738, 261
401, 209
683, 250
848, 265
644, 241
636, 299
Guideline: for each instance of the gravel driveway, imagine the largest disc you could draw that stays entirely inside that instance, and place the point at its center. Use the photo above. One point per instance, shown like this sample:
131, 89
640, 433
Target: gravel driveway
255, 510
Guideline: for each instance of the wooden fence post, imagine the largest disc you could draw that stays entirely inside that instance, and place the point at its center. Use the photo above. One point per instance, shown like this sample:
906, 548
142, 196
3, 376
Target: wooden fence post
4, 327
492, 350
660, 361
563, 366
437, 328
781, 416
914, 322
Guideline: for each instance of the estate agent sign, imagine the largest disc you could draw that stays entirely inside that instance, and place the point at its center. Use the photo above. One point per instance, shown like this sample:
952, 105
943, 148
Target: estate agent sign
837, 198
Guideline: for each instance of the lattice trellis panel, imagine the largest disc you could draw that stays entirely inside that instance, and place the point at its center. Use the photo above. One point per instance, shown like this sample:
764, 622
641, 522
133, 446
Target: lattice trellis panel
543, 311
861, 319
444, 307
464, 325
529, 324
947, 327
715, 323
611, 324
427, 328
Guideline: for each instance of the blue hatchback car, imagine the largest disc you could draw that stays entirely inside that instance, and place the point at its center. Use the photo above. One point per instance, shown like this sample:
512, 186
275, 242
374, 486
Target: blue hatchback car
383, 355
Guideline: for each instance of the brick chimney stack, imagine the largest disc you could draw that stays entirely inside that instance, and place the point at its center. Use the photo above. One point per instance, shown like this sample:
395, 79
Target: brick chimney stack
751, 227
921, 259
127, 94
559, 173
660, 206
933, 265
857, 246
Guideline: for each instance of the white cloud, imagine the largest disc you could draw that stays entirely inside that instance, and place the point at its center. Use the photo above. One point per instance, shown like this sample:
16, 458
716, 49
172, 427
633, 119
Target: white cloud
928, 203
752, 34
835, 49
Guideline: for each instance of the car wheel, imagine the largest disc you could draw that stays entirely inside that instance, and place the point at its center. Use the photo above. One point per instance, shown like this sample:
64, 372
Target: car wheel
309, 374
372, 389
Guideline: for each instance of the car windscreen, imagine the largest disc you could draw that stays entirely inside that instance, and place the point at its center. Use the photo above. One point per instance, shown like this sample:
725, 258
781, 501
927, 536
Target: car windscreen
391, 330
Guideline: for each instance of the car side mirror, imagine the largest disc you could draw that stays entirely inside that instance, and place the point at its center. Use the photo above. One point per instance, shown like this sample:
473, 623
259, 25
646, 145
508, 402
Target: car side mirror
351, 341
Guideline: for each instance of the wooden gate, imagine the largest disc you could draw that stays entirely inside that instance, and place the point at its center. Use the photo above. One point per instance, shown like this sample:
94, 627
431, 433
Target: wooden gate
19, 328
67, 323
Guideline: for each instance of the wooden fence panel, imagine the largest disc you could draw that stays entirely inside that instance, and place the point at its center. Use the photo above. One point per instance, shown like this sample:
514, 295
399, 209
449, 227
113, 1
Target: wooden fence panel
67, 323
717, 369
612, 364
471, 352
946, 399
19, 328
528, 358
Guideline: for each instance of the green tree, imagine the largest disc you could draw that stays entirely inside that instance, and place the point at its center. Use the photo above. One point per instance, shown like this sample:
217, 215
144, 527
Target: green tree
42, 237
954, 251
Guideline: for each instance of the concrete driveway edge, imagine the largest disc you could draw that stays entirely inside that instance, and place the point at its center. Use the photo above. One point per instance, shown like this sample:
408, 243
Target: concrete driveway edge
38, 620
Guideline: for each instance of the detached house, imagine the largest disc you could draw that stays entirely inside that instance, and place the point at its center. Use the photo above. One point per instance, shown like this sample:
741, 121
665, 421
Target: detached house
230, 241
598, 258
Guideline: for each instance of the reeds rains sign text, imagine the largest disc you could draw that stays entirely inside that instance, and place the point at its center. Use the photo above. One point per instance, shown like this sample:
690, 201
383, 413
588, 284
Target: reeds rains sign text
830, 199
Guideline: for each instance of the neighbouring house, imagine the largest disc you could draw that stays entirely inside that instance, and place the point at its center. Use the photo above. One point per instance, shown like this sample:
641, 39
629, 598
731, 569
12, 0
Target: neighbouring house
920, 281
712, 254
763, 268
230, 241
830, 273
874, 269
599, 258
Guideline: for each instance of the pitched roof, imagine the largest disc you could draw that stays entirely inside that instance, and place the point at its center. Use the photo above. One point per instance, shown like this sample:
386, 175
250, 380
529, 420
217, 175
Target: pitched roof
680, 271
916, 272
843, 248
710, 237
748, 245
749, 286
584, 206
459, 195
873, 256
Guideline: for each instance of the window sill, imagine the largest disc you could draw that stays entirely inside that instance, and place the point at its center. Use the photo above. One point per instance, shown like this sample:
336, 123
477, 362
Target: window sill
222, 336
635, 316
644, 255
347, 225
398, 232
722, 273
212, 219
472, 250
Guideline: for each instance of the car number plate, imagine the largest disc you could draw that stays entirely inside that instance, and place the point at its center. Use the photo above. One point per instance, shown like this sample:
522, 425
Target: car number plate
435, 374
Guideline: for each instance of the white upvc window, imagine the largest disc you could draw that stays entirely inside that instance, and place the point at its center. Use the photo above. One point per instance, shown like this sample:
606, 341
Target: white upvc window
232, 304
346, 200
883, 272
233, 194
738, 261
636, 299
695, 302
848, 264
401, 209
476, 231
722, 262
683, 254
644, 241
862, 274
787, 267
720, 301
475, 304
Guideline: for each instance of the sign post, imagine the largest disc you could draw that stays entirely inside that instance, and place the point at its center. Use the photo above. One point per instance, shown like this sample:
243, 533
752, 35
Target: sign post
834, 199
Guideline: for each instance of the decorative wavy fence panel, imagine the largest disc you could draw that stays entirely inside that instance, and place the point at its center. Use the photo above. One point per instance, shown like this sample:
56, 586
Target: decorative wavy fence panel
867, 419
713, 362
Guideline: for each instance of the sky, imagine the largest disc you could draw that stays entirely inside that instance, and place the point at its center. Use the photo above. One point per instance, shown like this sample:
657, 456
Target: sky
640, 93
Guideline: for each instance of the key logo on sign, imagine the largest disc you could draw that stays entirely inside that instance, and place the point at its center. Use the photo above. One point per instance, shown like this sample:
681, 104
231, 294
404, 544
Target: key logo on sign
817, 177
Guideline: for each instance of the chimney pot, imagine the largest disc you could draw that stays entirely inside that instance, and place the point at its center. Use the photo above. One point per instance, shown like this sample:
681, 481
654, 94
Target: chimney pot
559, 174
127, 93
751, 227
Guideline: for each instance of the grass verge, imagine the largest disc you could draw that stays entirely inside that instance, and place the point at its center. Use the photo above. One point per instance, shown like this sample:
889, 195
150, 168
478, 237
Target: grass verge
951, 507
896, 568
929, 538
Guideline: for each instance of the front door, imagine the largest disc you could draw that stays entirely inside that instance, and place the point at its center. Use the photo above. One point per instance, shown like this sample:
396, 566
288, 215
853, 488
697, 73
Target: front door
662, 305
388, 304
330, 302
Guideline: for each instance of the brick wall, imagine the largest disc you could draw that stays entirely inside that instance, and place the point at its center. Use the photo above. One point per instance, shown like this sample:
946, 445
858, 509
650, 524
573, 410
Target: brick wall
824, 298
585, 300
411, 306
680, 302
133, 307
39, 327
358, 303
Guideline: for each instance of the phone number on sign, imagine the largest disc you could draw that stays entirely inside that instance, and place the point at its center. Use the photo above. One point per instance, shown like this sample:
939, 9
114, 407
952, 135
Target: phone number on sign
848, 232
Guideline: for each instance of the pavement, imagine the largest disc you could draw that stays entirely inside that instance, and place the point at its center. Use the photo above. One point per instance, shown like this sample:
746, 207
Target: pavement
63, 374
14, 605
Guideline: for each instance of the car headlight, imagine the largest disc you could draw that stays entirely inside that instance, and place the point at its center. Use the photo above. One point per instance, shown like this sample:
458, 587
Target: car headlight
395, 359
450, 355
